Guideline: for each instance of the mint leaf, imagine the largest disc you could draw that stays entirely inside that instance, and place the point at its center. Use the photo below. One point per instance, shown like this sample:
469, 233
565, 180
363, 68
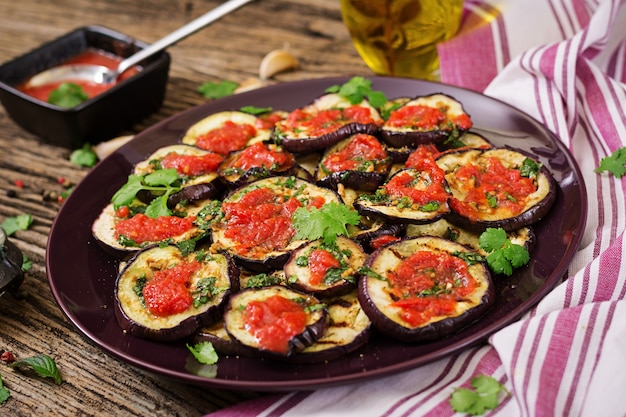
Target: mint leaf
43, 365
204, 352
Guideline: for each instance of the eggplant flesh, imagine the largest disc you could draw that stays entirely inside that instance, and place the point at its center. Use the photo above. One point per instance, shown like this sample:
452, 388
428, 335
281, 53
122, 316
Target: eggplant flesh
379, 301
336, 281
236, 324
216, 270
304, 139
536, 204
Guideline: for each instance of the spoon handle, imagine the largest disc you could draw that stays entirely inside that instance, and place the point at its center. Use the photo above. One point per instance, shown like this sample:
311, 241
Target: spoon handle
182, 33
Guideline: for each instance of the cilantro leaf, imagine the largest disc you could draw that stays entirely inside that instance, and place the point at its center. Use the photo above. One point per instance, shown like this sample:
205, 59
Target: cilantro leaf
43, 365
19, 222
357, 89
614, 163
502, 254
84, 157
327, 222
476, 401
214, 90
162, 182
204, 352
68, 95
4, 393
254, 110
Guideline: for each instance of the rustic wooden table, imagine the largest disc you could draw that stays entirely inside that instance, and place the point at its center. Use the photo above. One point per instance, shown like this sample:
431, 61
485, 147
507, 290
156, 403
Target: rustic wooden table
94, 382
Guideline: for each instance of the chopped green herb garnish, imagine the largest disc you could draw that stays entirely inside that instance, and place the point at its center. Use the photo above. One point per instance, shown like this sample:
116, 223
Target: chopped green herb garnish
255, 110
529, 168
68, 95
357, 89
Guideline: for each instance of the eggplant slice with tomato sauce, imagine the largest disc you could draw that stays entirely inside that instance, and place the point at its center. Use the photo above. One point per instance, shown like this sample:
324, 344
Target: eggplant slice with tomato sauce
325, 270
328, 120
423, 289
276, 321
162, 294
255, 162
256, 226
359, 162
497, 188
426, 119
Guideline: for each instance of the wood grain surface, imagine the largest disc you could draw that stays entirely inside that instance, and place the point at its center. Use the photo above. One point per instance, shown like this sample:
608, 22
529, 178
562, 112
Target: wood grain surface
94, 382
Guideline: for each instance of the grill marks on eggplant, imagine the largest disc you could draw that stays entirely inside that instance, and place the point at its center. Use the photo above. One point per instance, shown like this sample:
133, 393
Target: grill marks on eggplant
407, 209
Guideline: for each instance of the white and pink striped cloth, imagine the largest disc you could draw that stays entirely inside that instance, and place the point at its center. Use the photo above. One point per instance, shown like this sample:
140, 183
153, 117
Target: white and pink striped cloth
563, 62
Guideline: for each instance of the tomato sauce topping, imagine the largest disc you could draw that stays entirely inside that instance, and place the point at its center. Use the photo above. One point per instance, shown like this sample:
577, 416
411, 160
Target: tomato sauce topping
167, 292
422, 187
423, 157
362, 153
141, 228
88, 56
492, 187
267, 121
260, 221
274, 322
192, 165
428, 285
262, 155
326, 121
227, 138
320, 261
426, 118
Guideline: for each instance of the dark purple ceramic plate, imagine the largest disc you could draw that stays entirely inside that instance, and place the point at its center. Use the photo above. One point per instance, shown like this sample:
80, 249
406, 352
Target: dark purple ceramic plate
82, 275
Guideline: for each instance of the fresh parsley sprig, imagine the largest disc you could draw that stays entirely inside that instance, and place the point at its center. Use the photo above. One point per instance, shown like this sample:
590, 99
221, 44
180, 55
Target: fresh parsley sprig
482, 397
614, 163
204, 352
68, 95
162, 182
326, 223
357, 89
502, 254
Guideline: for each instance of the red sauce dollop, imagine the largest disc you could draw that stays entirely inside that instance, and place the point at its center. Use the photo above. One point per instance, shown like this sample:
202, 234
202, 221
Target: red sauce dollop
141, 228
425, 118
227, 138
192, 165
167, 292
357, 155
262, 155
320, 261
89, 56
274, 322
424, 188
326, 121
428, 284
260, 221
507, 189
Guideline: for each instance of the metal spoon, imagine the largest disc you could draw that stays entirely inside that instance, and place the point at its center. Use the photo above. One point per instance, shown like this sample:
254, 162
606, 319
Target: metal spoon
103, 75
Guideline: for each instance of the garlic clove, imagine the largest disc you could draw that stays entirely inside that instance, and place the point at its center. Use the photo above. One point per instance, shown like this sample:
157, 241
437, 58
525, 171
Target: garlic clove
275, 62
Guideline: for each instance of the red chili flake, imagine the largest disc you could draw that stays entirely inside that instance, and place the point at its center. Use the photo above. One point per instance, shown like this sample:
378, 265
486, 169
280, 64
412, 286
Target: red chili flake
19, 183
7, 357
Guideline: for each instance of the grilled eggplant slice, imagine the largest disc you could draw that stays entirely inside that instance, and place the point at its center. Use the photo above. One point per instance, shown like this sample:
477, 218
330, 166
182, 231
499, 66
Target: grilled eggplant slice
276, 321
421, 289
349, 328
444, 229
425, 119
325, 270
359, 162
498, 188
256, 227
163, 294
326, 121
226, 131
410, 196
255, 162
223, 344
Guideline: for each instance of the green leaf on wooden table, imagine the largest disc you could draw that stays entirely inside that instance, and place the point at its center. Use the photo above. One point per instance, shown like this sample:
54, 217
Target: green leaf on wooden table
84, 157
214, 90
4, 393
43, 365
19, 222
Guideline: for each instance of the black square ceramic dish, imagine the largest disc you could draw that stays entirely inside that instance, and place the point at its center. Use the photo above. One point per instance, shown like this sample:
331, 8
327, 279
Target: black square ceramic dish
99, 118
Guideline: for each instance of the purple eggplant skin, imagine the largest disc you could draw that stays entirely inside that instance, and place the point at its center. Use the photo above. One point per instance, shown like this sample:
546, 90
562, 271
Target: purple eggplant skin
375, 301
134, 318
218, 337
311, 144
298, 275
203, 191
234, 322
546, 196
349, 329
368, 230
357, 180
